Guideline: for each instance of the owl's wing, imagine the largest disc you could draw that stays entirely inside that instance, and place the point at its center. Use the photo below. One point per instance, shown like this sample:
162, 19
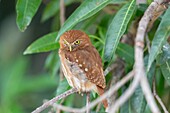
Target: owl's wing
90, 62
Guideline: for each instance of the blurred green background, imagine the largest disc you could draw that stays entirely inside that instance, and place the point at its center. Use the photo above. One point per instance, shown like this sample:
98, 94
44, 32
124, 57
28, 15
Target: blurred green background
24, 81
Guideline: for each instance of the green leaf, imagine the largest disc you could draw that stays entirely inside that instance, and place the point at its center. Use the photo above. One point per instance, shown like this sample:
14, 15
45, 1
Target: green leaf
166, 51
63, 86
164, 56
87, 9
52, 63
160, 37
43, 44
138, 102
165, 68
52, 8
126, 52
26, 9
125, 107
117, 29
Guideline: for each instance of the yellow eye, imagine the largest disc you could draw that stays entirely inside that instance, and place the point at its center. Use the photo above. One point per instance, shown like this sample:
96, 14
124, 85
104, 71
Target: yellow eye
77, 42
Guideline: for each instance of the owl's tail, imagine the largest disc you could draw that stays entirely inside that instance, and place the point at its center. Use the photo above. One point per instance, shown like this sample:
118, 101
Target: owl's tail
100, 92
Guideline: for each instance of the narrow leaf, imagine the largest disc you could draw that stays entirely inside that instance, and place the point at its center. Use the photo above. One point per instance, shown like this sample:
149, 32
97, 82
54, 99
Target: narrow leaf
137, 101
26, 9
125, 107
52, 63
43, 44
117, 28
63, 86
84, 11
165, 68
160, 37
126, 52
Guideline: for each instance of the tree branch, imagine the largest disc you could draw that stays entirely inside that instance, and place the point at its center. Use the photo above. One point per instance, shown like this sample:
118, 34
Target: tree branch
87, 102
99, 99
91, 105
109, 68
139, 63
52, 101
125, 96
62, 12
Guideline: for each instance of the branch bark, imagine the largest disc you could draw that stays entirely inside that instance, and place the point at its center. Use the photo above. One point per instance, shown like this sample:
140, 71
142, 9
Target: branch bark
139, 63
99, 99
62, 12
52, 101
91, 105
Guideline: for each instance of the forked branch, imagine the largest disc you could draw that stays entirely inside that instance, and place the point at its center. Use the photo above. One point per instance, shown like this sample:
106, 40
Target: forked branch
52, 102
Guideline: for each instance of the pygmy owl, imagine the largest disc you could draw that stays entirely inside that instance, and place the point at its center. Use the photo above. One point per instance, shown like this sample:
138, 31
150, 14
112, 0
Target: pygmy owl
81, 63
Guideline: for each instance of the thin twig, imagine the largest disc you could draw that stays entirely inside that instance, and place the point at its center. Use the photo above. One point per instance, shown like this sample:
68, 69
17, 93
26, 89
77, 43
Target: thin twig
158, 98
58, 110
62, 20
125, 95
109, 68
148, 43
148, 95
116, 75
62, 12
99, 99
87, 102
52, 101
98, 107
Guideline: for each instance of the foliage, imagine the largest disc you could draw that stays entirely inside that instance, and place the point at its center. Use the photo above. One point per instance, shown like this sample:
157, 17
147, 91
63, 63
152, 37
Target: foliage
106, 22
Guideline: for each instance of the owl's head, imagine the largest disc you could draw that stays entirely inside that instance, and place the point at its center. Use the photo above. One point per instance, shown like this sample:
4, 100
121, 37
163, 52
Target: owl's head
73, 40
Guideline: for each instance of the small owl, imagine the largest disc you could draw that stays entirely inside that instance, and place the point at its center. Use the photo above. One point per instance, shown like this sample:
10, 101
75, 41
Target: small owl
81, 63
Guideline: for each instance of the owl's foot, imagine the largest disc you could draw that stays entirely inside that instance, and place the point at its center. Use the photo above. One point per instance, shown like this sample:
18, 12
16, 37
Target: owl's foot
79, 91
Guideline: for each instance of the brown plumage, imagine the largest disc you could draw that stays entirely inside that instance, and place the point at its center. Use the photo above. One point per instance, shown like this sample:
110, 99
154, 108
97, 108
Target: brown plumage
81, 63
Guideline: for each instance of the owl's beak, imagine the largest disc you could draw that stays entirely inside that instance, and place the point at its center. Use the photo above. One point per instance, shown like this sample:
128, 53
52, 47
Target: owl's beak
70, 47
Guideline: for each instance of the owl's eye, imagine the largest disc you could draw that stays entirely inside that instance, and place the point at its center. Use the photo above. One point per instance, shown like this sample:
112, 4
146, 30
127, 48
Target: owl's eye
77, 42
